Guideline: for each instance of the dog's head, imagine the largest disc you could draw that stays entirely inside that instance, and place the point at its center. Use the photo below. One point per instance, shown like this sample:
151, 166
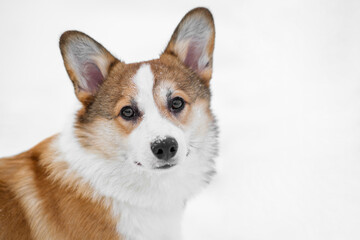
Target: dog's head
151, 116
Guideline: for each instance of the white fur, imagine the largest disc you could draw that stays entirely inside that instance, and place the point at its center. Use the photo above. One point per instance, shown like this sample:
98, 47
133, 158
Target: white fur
148, 203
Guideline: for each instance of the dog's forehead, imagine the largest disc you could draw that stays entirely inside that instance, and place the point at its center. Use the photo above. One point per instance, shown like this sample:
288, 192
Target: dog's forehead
144, 83
133, 80
139, 77
152, 74
164, 72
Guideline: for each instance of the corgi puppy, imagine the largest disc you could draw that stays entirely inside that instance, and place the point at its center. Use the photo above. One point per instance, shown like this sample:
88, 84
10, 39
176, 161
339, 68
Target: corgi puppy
142, 143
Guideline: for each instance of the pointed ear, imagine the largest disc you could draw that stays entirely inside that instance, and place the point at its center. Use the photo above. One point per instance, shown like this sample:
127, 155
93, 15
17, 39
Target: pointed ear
193, 42
86, 61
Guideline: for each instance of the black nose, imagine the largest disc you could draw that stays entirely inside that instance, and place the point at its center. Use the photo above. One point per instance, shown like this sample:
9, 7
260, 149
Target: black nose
164, 149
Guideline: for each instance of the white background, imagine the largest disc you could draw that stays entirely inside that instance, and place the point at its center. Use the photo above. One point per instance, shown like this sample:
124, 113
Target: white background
286, 90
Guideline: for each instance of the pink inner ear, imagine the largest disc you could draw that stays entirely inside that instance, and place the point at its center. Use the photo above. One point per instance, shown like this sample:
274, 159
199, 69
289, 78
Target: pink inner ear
92, 77
195, 50
194, 53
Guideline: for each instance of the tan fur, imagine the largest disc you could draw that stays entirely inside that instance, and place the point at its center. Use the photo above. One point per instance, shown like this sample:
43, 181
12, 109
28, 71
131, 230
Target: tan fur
37, 201
40, 199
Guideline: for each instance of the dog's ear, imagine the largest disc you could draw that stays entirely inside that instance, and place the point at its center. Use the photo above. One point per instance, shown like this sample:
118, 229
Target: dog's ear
86, 61
193, 42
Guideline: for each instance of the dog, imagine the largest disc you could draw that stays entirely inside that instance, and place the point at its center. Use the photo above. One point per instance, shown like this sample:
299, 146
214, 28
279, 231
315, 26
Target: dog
142, 143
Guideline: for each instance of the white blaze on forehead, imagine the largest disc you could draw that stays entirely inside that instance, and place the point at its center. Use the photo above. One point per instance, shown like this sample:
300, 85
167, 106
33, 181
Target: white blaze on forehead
144, 81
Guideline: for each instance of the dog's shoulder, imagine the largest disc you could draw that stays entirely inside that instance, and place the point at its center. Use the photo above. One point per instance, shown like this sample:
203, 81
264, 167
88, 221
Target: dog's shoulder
14, 175
40, 199
13, 169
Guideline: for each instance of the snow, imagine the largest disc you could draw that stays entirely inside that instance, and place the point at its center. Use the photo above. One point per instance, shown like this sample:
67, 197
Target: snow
286, 91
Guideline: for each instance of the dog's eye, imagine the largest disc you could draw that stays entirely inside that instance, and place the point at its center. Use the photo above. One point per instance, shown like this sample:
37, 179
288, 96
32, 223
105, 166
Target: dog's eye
127, 113
177, 104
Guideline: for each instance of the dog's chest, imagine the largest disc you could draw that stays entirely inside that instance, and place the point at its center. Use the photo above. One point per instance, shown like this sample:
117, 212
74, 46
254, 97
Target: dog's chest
137, 223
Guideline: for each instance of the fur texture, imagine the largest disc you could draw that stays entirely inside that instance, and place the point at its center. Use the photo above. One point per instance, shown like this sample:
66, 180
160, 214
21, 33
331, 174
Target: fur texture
99, 178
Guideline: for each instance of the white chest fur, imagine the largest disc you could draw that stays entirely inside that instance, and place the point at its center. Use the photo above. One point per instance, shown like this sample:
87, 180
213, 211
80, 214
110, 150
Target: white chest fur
137, 223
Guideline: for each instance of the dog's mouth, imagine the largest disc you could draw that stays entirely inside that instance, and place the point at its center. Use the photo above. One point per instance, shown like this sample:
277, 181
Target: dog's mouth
166, 166
159, 166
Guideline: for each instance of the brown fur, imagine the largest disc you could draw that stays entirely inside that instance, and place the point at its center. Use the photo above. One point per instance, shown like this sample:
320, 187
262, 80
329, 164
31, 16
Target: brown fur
40, 199
38, 202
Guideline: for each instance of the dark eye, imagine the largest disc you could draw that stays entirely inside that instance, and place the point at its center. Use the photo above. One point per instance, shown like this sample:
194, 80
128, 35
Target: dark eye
127, 113
177, 104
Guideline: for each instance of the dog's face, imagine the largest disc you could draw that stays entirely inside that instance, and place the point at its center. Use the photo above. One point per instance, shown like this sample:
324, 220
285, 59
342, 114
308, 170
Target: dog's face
151, 116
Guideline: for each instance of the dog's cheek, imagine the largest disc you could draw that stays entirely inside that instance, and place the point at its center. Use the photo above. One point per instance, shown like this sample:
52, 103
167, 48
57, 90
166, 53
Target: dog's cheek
198, 123
104, 138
